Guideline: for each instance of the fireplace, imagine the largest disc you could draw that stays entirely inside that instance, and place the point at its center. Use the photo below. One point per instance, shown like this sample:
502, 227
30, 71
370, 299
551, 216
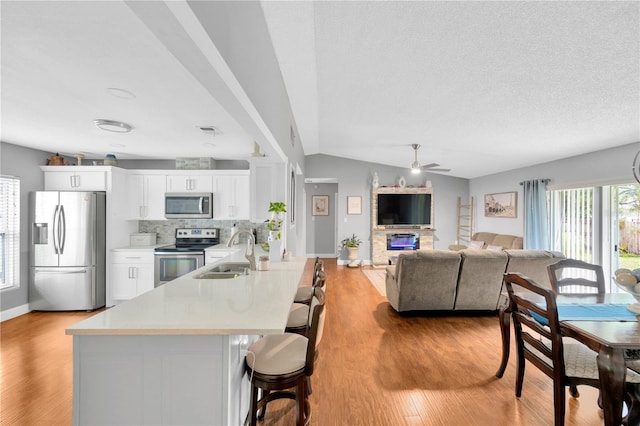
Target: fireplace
408, 241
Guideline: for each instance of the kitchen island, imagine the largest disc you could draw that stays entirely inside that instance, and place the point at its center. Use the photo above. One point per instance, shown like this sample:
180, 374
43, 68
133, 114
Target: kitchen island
175, 355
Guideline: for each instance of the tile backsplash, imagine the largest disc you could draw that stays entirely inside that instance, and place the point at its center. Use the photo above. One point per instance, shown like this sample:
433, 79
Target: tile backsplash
165, 229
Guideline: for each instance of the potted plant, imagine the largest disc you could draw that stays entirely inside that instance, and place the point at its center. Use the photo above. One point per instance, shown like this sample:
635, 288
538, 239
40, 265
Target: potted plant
274, 226
352, 244
277, 209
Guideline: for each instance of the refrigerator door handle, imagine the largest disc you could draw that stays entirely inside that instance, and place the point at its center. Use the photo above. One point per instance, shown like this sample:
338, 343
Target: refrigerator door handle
62, 271
63, 229
56, 230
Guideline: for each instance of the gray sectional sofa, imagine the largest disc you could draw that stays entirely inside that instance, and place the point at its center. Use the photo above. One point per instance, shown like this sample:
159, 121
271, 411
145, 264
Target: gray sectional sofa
503, 241
465, 280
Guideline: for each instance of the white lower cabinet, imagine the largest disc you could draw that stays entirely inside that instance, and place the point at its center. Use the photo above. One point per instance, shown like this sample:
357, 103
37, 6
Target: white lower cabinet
131, 273
160, 379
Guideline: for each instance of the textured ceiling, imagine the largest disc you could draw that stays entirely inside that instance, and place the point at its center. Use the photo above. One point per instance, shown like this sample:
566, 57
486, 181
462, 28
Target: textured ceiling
482, 86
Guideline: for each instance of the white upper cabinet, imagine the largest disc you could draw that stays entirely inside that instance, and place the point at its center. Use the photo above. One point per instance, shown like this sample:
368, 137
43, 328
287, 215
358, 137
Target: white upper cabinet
231, 197
267, 185
76, 178
146, 196
190, 183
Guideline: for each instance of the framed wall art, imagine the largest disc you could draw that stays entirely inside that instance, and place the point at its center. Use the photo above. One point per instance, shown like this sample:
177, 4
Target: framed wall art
354, 205
320, 205
502, 204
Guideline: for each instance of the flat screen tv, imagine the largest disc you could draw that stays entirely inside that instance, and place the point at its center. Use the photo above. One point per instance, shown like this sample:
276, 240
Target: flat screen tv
404, 209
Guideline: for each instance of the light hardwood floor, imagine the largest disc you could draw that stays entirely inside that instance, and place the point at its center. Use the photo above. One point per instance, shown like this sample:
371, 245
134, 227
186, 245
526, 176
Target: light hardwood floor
375, 368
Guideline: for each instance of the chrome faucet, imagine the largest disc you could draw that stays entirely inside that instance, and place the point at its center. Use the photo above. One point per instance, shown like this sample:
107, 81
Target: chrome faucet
250, 254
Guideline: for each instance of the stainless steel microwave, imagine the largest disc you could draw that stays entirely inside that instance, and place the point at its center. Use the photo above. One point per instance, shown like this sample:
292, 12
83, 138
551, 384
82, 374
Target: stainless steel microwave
188, 205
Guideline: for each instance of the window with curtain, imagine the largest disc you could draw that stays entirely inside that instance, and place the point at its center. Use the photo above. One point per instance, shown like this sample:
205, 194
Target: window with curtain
9, 231
572, 223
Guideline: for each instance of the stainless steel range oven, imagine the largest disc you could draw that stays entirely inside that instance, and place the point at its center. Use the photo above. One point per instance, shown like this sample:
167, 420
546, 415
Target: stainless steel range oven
186, 255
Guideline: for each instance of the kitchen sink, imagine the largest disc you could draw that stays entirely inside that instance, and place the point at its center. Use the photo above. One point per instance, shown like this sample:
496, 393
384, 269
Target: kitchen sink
225, 271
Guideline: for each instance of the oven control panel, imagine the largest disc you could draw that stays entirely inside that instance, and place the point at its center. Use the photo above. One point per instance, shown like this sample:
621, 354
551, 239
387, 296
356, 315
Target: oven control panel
197, 232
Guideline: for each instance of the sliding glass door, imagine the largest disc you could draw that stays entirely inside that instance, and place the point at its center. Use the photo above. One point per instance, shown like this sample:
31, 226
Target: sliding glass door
597, 225
573, 220
625, 226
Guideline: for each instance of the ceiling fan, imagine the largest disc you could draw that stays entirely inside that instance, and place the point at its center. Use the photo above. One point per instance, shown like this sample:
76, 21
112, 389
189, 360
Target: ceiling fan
417, 168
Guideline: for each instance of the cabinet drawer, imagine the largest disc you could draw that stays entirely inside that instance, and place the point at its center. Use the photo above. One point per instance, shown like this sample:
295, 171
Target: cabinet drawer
138, 257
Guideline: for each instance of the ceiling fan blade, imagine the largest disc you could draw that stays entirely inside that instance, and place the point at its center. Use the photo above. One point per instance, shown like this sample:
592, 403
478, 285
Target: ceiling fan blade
430, 165
436, 170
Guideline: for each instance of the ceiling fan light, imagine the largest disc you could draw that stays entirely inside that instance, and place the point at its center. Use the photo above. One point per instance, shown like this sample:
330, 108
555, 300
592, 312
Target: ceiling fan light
112, 126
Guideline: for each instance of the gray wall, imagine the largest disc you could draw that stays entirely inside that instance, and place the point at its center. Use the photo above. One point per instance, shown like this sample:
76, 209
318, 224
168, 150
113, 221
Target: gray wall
321, 230
354, 179
24, 163
606, 167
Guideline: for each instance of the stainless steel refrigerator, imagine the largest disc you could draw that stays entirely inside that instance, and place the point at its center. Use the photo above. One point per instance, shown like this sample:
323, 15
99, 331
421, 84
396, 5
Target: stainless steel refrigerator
67, 251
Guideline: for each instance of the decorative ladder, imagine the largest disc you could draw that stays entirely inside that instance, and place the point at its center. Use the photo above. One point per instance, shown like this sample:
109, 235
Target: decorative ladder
464, 230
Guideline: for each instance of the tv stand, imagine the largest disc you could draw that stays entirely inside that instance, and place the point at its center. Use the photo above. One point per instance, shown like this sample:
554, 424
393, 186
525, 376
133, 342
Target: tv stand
380, 253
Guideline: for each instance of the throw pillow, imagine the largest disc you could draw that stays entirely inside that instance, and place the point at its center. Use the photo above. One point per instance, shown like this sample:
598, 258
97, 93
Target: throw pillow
476, 244
495, 248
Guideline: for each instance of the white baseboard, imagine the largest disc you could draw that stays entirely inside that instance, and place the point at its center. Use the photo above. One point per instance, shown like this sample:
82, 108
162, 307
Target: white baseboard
14, 312
346, 262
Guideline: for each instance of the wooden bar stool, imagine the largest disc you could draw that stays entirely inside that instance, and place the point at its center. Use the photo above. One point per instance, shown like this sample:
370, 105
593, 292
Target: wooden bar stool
282, 364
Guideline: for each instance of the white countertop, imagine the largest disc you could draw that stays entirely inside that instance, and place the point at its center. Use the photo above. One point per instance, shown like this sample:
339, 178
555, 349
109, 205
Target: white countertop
253, 304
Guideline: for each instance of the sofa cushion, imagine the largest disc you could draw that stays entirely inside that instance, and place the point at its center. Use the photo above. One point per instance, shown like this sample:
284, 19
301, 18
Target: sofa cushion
487, 237
480, 279
507, 241
424, 280
476, 244
533, 264
494, 248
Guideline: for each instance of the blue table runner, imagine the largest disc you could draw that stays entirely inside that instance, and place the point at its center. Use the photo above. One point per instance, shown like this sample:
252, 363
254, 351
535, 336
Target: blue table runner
593, 312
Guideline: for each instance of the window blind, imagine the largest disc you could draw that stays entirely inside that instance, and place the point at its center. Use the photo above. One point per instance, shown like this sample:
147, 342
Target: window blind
9, 231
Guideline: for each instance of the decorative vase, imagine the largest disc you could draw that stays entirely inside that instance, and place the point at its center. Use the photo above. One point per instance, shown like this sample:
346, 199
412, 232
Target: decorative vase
273, 235
277, 216
275, 250
353, 257
375, 182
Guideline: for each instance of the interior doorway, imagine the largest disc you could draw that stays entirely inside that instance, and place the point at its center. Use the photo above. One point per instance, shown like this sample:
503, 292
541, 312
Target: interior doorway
321, 215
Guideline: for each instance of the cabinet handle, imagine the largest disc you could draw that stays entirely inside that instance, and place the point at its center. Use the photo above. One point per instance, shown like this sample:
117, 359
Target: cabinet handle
133, 272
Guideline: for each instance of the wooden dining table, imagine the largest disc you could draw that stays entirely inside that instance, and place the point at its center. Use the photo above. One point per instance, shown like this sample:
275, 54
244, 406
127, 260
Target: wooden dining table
615, 340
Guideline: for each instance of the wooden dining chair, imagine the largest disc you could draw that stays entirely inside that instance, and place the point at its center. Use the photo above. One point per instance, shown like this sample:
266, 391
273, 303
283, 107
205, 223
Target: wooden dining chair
281, 365
572, 276
539, 341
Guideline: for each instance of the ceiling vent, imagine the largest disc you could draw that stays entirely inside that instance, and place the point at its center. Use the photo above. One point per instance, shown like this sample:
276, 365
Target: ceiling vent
210, 130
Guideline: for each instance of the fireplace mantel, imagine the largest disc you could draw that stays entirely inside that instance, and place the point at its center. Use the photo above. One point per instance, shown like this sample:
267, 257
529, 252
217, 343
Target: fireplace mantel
380, 254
